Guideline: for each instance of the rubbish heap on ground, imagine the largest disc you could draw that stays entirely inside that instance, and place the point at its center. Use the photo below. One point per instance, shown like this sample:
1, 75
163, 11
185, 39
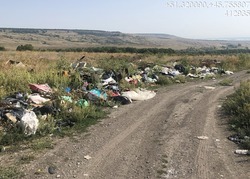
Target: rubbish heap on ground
97, 86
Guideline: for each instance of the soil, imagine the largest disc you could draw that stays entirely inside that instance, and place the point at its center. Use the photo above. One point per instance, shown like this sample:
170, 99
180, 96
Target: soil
177, 134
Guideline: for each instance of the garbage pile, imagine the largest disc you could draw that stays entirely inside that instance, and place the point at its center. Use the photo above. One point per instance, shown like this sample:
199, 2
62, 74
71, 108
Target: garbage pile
97, 86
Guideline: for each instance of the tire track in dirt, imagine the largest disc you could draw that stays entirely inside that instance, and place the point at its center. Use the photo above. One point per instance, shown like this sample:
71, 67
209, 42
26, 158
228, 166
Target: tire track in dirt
204, 151
179, 147
124, 139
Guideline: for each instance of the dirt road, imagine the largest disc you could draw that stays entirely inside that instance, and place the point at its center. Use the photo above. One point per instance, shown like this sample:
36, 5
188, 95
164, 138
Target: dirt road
157, 138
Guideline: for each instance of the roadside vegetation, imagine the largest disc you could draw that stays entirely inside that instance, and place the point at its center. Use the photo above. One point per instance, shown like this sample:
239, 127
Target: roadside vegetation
237, 107
2, 48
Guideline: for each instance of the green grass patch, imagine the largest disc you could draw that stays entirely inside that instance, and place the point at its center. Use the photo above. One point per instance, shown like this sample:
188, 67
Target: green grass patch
164, 80
12, 137
25, 159
10, 173
226, 82
41, 144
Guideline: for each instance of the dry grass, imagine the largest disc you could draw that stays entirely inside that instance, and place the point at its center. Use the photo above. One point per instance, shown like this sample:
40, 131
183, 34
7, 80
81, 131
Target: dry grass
41, 59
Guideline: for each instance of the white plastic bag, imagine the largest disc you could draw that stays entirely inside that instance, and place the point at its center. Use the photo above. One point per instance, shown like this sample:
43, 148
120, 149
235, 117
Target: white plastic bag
139, 94
29, 123
37, 99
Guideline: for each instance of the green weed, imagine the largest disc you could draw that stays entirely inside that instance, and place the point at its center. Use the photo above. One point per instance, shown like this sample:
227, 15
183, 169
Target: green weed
226, 82
26, 159
180, 78
164, 80
41, 144
10, 173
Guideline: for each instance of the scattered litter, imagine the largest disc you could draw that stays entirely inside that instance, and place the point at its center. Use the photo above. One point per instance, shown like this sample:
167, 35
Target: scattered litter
96, 94
209, 87
11, 117
121, 99
29, 123
45, 110
41, 88
242, 152
139, 94
229, 72
237, 138
202, 137
52, 170
87, 157
37, 99
15, 63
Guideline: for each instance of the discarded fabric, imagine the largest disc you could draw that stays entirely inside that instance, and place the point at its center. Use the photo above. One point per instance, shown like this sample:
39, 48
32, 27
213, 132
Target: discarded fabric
121, 99
41, 88
209, 87
37, 99
87, 157
139, 95
242, 152
96, 94
202, 137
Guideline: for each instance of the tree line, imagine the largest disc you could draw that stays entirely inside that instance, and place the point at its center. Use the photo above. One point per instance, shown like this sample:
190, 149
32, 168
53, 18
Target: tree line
169, 51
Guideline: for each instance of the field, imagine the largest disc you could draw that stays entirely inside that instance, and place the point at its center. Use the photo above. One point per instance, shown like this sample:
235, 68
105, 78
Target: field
65, 38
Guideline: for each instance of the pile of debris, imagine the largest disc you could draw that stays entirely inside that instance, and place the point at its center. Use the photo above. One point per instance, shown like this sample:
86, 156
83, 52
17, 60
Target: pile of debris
97, 85
22, 109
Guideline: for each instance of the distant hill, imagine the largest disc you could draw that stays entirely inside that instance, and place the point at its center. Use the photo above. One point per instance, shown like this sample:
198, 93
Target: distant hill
65, 38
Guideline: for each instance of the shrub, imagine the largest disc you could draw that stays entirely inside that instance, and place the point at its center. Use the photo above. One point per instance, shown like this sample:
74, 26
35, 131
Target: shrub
10, 172
25, 47
2, 49
79, 118
244, 61
164, 80
15, 80
226, 82
180, 78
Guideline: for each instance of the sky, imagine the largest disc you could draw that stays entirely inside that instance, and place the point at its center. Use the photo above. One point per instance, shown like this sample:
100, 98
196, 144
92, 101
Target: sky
198, 19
